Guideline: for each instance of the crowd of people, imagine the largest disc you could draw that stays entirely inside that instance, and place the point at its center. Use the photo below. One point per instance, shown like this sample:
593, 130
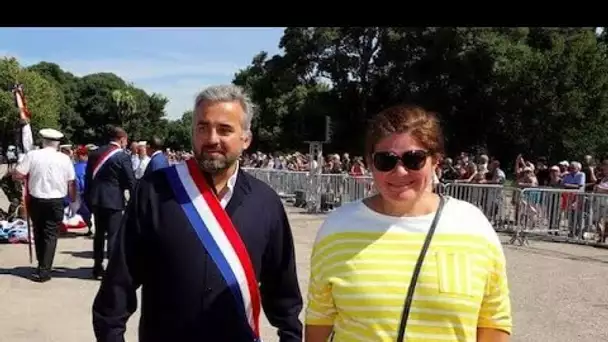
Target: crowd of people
331, 163
541, 208
464, 168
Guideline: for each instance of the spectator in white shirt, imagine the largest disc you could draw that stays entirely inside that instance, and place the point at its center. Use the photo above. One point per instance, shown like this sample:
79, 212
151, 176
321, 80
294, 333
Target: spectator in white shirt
143, 159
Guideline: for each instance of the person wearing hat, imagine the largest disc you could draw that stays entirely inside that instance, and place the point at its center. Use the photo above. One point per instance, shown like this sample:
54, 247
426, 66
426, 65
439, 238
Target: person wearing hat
108, 174
67, 150
50, 178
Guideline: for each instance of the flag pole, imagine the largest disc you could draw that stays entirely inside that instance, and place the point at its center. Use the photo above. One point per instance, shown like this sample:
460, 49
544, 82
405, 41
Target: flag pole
26, 144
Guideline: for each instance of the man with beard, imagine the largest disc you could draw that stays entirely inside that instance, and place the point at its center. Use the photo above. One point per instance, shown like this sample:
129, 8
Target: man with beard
208, 243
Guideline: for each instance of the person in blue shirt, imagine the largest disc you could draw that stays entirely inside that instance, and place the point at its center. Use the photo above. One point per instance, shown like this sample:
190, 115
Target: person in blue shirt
80, 166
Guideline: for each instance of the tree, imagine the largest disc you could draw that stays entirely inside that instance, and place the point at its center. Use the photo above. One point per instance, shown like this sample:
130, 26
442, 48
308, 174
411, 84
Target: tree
506, 90
125, 105
43, 99
179, 132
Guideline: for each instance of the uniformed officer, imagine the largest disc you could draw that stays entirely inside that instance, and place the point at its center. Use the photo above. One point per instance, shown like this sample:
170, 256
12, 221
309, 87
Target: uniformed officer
67, 150
50, 178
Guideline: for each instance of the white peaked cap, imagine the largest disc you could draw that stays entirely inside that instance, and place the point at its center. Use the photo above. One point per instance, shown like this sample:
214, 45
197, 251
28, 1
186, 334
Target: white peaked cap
142, 143
51, 134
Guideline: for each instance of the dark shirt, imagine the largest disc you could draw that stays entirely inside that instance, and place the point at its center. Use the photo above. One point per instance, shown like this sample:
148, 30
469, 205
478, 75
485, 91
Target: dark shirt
543, 177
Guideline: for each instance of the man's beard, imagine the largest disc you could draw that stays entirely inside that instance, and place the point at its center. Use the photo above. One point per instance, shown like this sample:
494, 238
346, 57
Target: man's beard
216, 163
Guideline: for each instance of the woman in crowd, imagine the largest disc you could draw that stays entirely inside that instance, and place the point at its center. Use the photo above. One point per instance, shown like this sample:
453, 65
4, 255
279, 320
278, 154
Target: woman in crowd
364, 285
80, 167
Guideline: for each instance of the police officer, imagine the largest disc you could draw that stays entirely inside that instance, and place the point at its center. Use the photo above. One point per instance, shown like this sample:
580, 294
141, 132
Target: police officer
50, 178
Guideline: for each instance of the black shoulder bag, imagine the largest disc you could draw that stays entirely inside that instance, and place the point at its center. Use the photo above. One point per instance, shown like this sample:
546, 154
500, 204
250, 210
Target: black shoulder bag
412, 287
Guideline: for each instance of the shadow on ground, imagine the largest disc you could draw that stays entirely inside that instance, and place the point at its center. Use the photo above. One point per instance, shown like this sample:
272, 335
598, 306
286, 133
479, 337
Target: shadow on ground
558, 254
80, 254
25, 272
73, 234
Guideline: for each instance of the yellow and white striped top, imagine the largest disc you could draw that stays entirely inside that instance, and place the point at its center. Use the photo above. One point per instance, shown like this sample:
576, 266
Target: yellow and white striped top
362, 263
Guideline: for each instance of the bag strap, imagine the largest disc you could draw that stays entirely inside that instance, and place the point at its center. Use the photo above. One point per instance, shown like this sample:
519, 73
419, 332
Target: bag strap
410, 292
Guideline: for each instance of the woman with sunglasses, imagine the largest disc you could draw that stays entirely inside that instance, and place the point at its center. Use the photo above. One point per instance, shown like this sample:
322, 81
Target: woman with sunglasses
407, 264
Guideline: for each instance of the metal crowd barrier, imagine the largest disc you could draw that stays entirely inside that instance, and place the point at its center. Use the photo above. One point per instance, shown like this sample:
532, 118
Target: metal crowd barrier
550, 213
563, 215
318, 192
494, 200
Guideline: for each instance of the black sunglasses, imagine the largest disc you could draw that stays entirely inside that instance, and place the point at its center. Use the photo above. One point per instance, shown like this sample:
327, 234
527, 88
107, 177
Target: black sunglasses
412, 160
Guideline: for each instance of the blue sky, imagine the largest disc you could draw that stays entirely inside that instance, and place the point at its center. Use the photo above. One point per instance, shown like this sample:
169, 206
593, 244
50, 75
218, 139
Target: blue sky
174, 62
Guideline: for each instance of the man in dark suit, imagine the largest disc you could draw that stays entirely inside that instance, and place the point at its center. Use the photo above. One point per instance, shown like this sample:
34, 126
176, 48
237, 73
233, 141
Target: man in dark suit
108, 174
191, 289
158, 160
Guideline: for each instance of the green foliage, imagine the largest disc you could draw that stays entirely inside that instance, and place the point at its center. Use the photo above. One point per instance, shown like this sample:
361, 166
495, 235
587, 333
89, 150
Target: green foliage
540, 91
44, 98
178, 132
84, 107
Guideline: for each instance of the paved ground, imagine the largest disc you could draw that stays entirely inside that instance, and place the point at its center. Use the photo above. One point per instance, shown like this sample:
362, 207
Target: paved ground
558, 291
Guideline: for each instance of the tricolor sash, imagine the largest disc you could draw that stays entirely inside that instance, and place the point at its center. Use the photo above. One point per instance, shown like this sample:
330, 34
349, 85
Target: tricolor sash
219, 237
105, 157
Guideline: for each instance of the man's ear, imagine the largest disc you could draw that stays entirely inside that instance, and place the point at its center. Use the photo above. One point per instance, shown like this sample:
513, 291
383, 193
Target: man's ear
247, 139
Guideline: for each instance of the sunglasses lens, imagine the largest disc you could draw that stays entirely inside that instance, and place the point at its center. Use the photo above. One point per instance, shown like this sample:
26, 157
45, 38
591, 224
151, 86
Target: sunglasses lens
385, 161
414, 160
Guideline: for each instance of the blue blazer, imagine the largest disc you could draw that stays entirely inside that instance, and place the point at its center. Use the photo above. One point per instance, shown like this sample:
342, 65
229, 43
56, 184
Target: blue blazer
108, 187
157, 162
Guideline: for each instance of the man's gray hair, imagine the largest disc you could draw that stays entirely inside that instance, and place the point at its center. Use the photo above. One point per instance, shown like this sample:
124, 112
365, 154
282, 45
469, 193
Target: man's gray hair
226, 93
50, 143
577, 165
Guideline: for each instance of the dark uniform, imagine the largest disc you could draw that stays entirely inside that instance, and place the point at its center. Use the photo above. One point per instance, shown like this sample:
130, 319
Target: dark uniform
184, 295
104, 195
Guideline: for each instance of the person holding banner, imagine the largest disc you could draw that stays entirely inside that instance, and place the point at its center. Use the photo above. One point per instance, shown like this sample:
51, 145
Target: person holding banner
108, 174
208, 243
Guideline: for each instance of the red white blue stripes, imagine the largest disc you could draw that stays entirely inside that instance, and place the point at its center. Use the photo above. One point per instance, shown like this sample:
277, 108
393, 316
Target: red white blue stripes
105, 157
219, 237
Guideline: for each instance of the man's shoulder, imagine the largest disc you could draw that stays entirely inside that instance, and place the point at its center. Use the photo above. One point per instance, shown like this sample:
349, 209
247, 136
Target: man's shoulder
65, 159
31, 153
155, 182
155, 178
